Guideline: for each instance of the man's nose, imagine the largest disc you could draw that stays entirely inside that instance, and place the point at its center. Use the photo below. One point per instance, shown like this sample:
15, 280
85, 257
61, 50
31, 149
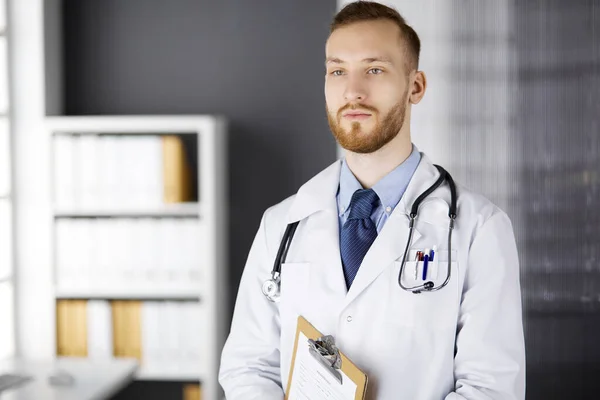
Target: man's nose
355, 90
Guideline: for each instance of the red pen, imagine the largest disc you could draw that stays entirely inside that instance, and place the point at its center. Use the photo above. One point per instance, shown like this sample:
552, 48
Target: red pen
418, 257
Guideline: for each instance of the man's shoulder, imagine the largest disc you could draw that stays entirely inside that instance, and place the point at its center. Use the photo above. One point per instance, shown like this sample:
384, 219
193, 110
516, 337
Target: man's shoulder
475, 207
279, 211
321, 183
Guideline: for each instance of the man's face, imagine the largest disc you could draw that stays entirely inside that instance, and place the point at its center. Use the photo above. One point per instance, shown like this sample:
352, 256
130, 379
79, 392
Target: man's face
366, 88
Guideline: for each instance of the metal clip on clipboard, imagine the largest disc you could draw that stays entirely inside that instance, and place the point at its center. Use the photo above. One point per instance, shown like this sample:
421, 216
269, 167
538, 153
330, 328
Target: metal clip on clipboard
326, 352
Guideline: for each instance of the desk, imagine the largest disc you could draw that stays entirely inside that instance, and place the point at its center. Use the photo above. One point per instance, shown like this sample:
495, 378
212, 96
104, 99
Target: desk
94, 379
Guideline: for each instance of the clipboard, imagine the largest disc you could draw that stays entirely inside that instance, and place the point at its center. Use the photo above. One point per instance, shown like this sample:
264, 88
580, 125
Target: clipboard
333, 369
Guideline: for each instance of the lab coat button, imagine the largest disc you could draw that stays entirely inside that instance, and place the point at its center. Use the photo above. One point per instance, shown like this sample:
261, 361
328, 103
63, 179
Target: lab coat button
349, 318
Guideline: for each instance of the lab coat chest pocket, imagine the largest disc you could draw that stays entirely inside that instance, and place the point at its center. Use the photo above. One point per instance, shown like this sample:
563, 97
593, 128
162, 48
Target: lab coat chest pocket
431, 310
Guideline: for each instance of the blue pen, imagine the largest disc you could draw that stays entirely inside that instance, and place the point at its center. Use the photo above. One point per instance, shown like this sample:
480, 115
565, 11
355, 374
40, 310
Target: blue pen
425, 261
432, 253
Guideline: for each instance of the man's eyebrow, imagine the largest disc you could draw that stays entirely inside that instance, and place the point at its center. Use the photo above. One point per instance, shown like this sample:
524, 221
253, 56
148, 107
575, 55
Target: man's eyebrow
377, 59
335, 60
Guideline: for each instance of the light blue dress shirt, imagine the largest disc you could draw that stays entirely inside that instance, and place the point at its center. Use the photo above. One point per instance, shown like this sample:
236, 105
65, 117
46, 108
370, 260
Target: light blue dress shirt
389, 189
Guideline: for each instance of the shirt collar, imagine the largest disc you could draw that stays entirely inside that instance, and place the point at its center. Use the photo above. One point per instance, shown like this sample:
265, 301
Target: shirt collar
389, 189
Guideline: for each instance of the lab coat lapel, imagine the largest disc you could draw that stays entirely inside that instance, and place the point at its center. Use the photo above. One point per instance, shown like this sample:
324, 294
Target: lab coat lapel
317, 199
324, 248
391, 241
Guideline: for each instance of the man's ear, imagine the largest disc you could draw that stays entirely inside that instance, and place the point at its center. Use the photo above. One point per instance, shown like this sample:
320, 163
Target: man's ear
418, 87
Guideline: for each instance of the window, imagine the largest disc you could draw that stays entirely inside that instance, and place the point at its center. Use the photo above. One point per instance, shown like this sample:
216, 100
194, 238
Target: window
7, 321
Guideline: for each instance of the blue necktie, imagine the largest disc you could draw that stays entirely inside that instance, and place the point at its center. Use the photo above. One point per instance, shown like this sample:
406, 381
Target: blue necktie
358, 233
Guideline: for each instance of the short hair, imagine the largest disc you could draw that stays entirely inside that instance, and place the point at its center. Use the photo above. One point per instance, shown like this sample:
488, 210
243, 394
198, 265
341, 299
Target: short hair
359, 11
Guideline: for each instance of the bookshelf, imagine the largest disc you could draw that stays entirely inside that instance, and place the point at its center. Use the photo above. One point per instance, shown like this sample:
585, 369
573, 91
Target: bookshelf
139, 242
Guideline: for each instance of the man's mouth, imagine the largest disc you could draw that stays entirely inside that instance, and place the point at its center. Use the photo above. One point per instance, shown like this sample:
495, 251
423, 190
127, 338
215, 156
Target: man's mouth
356, 115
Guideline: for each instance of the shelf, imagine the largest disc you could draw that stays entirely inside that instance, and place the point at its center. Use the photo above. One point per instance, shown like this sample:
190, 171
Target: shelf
164, 373
135, 124
167, 210
182, 293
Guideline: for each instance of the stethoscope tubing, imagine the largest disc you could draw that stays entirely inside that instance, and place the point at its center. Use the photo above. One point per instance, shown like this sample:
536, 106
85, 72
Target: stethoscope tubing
428, 286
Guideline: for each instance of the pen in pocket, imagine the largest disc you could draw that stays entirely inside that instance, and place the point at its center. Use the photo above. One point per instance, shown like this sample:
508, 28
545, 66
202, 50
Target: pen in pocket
425, 262
419, 257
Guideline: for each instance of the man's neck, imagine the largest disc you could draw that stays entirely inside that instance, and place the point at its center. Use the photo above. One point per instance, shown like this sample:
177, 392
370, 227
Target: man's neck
370, 168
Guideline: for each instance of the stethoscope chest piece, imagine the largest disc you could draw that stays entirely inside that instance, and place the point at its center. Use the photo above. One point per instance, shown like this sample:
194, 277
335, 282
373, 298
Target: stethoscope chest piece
270, 289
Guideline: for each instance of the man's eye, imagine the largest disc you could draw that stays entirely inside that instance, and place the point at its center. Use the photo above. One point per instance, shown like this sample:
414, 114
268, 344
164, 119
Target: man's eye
375, 71
337, 72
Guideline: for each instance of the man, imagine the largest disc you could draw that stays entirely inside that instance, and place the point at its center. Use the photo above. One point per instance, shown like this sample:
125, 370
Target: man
463, 341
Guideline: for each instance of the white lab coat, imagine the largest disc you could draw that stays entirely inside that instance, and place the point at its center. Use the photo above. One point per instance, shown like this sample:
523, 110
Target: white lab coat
464, 341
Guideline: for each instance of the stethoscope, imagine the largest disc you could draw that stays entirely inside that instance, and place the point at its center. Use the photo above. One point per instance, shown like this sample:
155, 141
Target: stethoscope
271, 287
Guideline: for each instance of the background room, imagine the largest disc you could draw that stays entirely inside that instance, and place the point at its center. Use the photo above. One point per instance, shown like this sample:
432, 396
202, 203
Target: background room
141, 141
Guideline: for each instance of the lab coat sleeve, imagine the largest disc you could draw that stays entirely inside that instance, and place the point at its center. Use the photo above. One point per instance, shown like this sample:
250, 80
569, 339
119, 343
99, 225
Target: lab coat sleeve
490, 350
249, 367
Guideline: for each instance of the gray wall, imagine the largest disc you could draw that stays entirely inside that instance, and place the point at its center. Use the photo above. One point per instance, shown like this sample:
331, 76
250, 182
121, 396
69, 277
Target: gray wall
260, 63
